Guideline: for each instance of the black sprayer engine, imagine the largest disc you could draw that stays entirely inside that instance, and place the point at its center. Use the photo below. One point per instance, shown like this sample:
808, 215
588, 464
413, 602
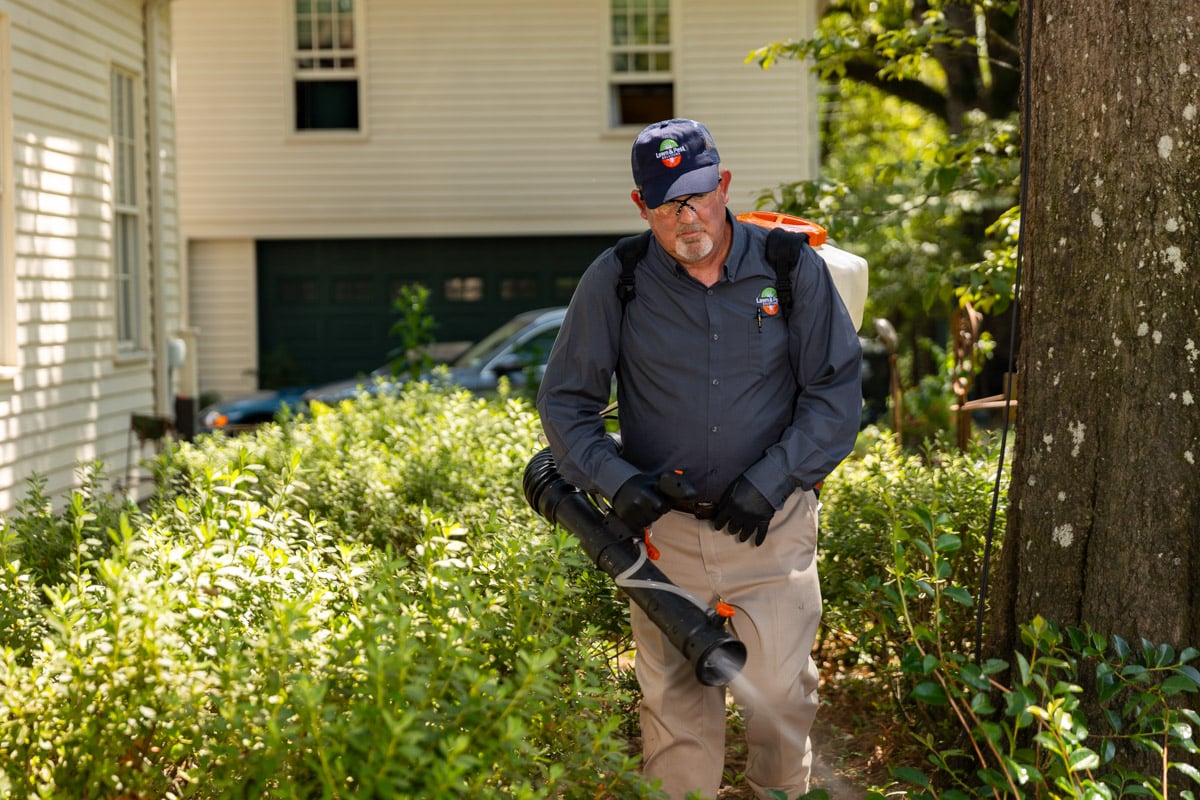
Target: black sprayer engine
697, 630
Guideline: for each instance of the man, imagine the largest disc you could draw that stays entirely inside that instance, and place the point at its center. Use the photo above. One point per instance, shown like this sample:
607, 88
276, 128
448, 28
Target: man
755, 406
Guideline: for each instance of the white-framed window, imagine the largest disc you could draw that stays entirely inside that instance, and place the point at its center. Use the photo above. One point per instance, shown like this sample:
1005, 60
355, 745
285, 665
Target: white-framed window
327, 65
641, 85
8, 262
128, 212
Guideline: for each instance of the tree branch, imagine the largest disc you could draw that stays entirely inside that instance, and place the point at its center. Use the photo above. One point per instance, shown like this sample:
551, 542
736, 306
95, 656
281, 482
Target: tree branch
913, 91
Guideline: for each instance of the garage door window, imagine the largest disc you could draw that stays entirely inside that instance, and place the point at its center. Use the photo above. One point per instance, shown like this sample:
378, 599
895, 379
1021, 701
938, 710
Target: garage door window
463, 289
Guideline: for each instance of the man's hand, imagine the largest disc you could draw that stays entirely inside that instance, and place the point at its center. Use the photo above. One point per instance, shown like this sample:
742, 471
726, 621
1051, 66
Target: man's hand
745, 511
639, 502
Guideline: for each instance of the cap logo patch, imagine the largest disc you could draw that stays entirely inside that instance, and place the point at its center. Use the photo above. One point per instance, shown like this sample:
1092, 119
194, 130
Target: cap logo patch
670, 153
768, 302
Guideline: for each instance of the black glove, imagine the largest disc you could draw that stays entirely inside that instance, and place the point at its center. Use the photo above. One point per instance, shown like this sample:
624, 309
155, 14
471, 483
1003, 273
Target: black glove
639, 502
746, 512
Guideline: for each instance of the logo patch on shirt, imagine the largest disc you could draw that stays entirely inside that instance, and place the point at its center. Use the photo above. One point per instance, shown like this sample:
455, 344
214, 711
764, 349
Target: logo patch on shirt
768, 301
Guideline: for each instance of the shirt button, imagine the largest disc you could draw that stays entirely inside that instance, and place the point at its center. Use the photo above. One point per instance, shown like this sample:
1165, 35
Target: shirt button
716, 382
715, 337
715, 428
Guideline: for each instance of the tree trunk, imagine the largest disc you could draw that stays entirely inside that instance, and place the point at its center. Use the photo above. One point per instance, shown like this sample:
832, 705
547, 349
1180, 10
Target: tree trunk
1104, 519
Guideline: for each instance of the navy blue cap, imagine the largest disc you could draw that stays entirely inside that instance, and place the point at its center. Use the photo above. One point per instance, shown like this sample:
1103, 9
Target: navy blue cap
674, 158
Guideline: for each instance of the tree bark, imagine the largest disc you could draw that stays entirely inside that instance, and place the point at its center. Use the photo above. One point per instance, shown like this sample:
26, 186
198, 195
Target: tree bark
1104, 519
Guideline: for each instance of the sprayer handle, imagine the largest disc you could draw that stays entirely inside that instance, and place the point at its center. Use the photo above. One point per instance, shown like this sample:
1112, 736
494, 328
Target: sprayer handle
676, 487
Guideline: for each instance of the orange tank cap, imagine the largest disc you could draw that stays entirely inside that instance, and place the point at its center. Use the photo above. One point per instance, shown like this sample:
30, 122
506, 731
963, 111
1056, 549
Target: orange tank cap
773, 219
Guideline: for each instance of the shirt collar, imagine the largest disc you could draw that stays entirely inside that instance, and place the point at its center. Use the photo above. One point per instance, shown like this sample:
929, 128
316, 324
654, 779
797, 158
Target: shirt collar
740, 244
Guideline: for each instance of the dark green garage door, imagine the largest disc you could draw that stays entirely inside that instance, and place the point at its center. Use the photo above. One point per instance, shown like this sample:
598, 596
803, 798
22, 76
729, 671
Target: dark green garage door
325, 306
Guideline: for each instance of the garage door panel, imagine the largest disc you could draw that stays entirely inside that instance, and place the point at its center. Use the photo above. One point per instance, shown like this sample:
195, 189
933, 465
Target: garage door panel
325, 307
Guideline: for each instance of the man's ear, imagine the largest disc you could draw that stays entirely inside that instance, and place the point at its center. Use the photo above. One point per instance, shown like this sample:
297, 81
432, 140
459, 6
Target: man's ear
726, 179
636, 197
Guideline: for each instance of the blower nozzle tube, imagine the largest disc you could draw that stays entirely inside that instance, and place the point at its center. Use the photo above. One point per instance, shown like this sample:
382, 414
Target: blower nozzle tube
697, 632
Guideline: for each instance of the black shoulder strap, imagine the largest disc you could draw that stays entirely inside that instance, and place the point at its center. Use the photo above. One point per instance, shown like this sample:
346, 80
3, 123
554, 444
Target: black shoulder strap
783, 251
630, 250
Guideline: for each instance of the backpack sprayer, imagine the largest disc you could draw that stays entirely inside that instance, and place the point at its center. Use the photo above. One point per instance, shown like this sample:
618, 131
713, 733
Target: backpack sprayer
696, 630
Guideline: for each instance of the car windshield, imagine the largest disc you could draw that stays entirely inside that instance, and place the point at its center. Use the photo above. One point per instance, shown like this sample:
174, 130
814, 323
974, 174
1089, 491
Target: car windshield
479, 352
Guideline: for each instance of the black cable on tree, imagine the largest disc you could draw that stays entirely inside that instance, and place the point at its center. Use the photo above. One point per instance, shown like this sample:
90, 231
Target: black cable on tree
1026, 49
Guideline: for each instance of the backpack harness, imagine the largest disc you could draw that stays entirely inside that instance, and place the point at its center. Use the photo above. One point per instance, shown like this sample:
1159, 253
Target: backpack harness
782, 252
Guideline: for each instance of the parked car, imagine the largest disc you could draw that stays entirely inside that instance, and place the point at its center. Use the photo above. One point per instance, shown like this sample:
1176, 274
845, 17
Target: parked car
517, 350
248, 412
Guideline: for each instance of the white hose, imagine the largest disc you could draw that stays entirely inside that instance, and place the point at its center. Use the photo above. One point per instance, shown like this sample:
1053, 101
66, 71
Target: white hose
623, 580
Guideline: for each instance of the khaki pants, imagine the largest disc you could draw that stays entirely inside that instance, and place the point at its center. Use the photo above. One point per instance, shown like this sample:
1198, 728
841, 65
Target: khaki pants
776, 593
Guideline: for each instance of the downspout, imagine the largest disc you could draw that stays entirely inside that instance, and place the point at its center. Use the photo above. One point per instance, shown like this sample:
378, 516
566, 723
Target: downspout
163, 400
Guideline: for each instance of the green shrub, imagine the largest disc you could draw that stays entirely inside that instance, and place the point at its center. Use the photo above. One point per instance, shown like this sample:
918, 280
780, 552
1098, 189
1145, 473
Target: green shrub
885, 513
353, 605
1036, 737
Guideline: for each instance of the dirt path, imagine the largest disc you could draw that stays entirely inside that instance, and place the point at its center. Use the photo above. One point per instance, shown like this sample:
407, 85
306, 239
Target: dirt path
839, 765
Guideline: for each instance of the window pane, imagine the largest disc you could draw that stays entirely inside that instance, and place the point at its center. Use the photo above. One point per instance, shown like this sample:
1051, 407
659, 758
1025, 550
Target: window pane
620, 62
662, 29
346, 32
620, 29
303, 7
643, 103
641, 30
298, 291
304, 39
351, 290
398, 285
125, 253
327, 105
662, 62
463, 290
518, 289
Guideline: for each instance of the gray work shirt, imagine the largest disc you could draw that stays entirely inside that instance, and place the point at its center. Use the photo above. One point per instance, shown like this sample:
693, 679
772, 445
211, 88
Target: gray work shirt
704, 382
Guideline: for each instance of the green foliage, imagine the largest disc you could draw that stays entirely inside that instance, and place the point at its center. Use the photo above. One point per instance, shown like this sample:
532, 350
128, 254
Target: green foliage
352, 605
902, 535
1076, 715
920, 153
1046, 735
358, 603
415, 331
918, 202
50, 543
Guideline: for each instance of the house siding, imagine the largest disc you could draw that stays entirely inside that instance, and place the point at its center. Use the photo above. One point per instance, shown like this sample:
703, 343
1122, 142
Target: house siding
479, 119
225, 300
70, 395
